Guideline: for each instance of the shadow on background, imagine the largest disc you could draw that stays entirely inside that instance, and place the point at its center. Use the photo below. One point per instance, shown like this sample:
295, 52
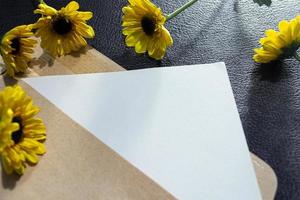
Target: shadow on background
263, 2
9, 181
273, 71
8, 81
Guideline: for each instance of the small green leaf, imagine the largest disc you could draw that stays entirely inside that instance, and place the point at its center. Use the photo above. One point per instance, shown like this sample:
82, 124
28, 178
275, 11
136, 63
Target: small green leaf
263, 2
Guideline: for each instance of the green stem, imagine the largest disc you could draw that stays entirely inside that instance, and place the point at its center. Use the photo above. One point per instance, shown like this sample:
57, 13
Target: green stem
179, 10
297, 56
42, 1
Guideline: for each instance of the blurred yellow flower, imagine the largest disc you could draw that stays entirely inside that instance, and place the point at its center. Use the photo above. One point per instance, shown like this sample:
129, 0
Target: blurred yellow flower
64, 30
16, 48
26, 133
143, 26
279, 44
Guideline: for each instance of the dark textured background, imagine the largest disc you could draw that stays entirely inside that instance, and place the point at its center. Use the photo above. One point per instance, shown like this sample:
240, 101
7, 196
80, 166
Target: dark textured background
268, 97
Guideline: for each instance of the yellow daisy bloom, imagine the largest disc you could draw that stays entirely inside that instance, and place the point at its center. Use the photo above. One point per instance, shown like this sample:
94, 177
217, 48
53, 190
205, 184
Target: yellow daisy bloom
64, 30
279, 44
16, 49
26, 141
143, 26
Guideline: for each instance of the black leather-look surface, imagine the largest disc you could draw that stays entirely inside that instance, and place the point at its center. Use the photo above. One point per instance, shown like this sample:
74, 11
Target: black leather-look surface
213, 31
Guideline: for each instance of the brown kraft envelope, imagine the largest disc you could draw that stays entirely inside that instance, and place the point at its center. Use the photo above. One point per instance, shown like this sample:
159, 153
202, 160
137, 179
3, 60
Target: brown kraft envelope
76, 166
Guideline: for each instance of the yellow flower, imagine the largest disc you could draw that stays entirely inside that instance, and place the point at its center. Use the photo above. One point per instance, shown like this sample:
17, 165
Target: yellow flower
16, 48
279, 44
143, 26
26, 133
63, 31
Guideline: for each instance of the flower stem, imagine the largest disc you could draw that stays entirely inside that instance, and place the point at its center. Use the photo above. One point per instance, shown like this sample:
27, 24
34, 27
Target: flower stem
179, 10
297, 56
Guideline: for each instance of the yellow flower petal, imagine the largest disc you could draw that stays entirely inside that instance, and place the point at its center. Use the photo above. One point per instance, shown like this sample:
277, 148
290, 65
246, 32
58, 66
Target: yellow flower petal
167, 36
45, 10
32, 158
20, 170
133, 38
6, 163
84, 16
72, 6
85, 30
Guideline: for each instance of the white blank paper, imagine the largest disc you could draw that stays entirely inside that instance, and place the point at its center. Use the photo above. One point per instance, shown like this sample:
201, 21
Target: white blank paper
178, 125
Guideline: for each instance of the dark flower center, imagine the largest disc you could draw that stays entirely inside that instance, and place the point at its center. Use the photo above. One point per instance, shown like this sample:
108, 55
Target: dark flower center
148, 25
15, 43
17, 135
62, 26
